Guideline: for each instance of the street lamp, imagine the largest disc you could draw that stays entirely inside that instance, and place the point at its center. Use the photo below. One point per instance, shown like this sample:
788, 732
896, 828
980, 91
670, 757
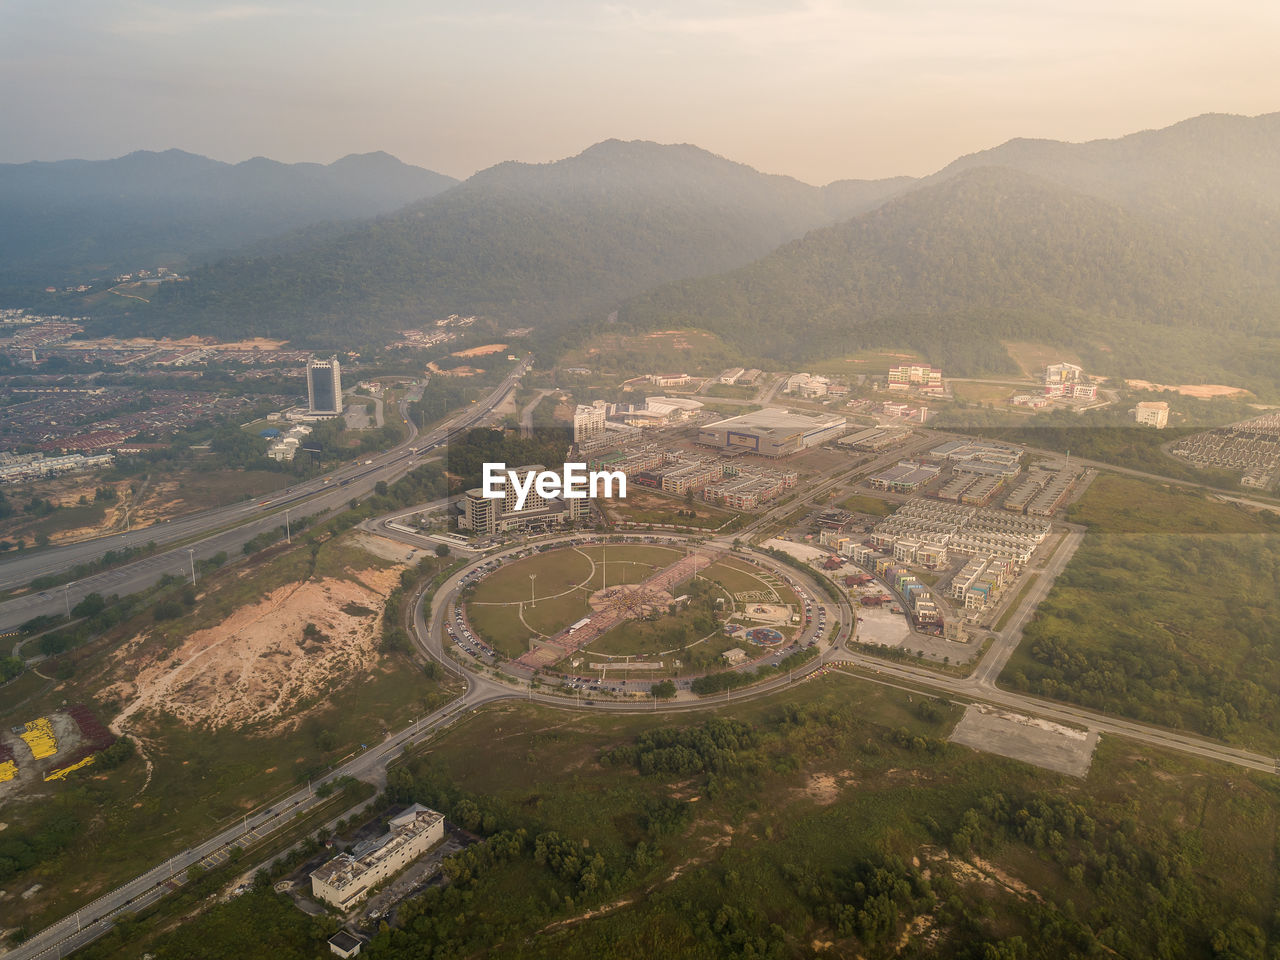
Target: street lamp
533, 596
191, 555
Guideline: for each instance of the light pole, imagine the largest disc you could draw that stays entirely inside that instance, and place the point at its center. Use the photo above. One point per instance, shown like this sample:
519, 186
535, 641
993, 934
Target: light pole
66, 596
191, 555
533, 596
287, 537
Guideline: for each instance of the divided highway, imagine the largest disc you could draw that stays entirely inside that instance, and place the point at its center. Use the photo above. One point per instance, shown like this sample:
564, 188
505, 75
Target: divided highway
225, 529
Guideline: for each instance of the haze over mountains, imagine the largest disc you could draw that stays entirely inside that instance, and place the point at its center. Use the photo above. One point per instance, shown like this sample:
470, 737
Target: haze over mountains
542, 243
1147, 245
75, 219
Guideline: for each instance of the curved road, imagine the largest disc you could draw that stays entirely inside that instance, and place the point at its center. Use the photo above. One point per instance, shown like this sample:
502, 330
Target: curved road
482, 689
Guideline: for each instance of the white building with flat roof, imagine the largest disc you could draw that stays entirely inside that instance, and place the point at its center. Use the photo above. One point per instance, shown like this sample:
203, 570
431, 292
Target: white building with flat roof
347, 878
772, 432
1152, 413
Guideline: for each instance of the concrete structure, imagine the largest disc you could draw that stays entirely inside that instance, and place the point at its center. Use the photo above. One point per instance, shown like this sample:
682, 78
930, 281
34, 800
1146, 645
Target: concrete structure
669, 379
34, 467
1152, 413
672, 409
905, 411
904, 477
286, 447
589, 423
487, 516
324, 388
921, 376
771, 432
343, 944
347, 878
875, 439
962, 530
731, 375
807, 385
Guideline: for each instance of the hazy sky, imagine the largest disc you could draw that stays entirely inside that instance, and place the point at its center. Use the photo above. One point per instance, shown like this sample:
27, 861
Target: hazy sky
820, 90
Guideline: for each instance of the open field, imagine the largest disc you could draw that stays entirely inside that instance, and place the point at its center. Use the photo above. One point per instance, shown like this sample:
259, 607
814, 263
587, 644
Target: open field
806, 795
1032, 358
501, 606
995, 393
872, 506
864, 361
192, 490
209, 751
643, 506
1163, 614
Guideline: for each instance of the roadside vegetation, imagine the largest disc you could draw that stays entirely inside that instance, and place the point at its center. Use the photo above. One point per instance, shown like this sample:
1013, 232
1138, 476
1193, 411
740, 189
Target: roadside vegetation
833, 820
1164, 614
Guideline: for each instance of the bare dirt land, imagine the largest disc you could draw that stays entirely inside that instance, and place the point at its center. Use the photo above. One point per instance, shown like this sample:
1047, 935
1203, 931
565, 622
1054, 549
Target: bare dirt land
1203, 391
1039, 742
260, 663
482, 351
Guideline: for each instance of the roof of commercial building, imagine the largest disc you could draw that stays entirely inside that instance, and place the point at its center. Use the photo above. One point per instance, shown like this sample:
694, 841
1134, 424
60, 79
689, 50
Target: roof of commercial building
776, 418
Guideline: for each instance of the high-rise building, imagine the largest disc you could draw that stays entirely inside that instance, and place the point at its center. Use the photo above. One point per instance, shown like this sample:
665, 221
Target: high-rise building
1152, 413
324, 388
589, 423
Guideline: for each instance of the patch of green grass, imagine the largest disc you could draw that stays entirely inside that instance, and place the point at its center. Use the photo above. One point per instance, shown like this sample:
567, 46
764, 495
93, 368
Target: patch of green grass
1163, 615
1116, 504
872, 506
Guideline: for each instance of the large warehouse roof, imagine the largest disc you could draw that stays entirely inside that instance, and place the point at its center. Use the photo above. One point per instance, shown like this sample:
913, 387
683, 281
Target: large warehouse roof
776, 418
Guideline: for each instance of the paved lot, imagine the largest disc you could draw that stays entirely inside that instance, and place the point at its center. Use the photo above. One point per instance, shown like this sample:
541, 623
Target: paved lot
1038, 742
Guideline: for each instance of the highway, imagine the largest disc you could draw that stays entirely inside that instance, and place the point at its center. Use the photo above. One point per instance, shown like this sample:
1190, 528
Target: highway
483, 688
226, 529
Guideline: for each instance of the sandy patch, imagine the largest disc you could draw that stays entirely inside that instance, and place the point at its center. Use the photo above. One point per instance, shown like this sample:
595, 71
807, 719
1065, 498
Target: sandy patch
256, 665
483, 351
387, 549
1203, 391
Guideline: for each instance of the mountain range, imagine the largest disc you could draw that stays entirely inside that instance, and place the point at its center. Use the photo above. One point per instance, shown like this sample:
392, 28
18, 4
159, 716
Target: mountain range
1160, 247
78, 219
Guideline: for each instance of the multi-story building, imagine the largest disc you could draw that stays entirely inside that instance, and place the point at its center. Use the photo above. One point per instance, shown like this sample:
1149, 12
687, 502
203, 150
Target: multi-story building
589, 424
921, 376
324, 388
490, 515
807, 385
348, 877
1152, 413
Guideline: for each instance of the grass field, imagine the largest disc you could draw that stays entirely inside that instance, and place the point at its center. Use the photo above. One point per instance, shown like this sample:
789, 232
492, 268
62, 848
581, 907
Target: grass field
833, 813
842, 773
872, 506
995, 393
643, 507
125, 820
566, 578
1032, 358
1164, 614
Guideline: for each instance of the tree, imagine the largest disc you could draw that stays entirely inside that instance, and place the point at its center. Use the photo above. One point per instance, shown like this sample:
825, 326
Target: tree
663, 690
442, 550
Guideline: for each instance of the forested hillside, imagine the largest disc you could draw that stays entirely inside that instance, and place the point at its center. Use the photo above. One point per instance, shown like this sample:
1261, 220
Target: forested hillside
539, 243
76, 219
954, 268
